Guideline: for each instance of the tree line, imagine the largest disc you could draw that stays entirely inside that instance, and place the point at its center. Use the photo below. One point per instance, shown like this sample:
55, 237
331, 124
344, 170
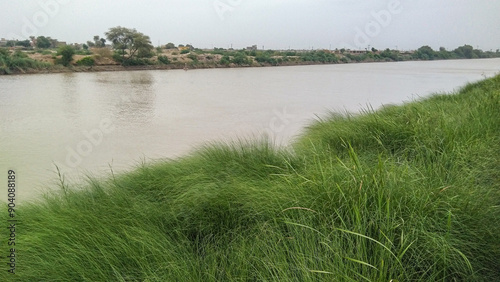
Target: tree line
131, 47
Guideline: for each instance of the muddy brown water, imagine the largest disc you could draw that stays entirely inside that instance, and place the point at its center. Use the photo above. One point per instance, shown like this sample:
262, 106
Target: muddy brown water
86, 123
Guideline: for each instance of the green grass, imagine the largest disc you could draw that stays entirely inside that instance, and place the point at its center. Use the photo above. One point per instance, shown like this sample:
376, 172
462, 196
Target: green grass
405, 193
18, 62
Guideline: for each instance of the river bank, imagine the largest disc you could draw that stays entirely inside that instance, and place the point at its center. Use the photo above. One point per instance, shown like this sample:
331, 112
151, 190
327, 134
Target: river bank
103, 59
115, 67
404, 193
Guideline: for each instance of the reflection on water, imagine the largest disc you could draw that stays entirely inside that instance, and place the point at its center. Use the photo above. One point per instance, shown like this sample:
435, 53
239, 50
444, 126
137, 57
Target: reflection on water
85, 122
133, 97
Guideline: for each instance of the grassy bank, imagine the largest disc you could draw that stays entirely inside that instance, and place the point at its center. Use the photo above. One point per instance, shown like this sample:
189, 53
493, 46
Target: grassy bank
405, 193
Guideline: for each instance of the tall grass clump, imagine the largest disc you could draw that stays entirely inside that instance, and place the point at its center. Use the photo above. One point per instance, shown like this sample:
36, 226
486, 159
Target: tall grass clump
405, 193
18, 62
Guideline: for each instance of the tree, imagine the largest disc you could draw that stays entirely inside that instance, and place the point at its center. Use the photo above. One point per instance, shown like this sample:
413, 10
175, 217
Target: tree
43, 42
85, 46
98, 42
425, 53
170, 46
24, 43
67, 53
129, 39
465, 51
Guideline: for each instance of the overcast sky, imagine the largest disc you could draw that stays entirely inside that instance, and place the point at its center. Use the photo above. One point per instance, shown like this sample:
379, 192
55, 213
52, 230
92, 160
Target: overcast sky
274, 24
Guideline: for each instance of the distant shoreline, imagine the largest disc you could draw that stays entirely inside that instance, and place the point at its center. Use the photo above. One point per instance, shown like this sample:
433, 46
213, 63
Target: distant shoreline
113, 68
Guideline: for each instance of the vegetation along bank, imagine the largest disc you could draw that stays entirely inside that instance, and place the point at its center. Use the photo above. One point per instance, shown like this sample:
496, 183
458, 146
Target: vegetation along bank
129, 49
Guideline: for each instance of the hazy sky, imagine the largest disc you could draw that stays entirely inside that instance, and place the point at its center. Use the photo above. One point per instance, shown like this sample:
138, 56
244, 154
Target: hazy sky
274, 24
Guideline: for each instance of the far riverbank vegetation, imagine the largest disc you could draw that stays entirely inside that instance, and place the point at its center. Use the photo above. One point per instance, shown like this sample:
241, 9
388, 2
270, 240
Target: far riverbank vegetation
123, 47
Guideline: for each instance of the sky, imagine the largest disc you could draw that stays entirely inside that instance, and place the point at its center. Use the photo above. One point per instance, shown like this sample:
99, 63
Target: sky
269, 24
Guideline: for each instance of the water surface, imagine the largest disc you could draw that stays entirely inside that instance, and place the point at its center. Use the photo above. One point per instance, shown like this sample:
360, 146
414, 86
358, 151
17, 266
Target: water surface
88, 122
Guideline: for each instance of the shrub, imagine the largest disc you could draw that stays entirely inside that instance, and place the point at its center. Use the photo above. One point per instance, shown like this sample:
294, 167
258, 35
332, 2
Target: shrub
225, 60
145, 53
170, 46
241, 59
193, 57
67, 53
17, 61
87, 61
164, 60
184, 51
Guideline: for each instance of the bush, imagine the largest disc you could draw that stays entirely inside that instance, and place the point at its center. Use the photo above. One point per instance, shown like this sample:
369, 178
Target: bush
185, 51
319, 56
193, 57
18, 61
170, 46
87, 61
67, 53
225, 60
164, 60
145, 53
241, 59
131, 61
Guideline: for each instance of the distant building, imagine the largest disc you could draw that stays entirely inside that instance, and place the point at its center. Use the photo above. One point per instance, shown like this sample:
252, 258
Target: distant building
252, 48
3, 42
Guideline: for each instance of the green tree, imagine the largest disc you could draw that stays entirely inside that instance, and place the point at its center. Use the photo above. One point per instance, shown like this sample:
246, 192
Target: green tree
67, 53
425, 53
135, 42
170, 46
387, 53
465, 51
43, 42
24, 43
